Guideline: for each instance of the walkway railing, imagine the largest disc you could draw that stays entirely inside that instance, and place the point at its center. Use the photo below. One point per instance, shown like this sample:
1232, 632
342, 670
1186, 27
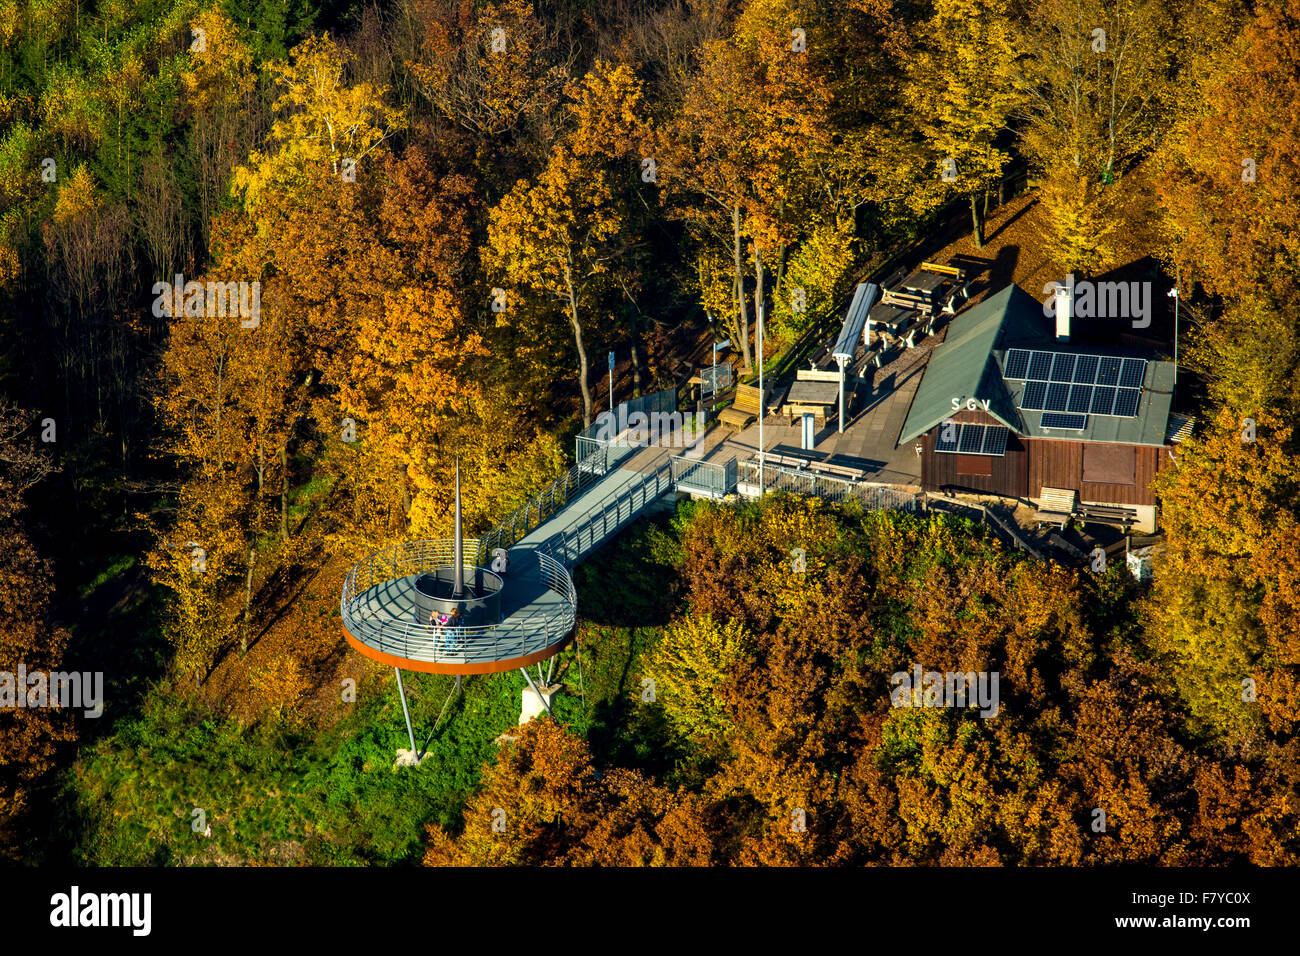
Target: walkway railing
609, 516
801, 482
545, 504
517, 636
1007, 532
594, 458
662, 401
713, 478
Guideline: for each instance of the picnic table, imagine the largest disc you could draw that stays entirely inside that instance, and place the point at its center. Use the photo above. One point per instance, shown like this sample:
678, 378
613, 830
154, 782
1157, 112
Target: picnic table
813, 393
925, 281
812, 398
891, 318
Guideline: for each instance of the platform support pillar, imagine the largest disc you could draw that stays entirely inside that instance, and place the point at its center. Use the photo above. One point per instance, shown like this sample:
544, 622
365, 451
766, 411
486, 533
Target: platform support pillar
401, 691
544, 698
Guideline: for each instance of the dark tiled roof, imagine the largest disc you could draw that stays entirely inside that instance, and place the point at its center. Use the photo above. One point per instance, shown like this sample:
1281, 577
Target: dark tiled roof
969, 365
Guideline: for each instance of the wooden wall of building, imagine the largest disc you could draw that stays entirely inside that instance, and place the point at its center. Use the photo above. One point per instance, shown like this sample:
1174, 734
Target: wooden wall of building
1059, 464
1009, 472
1030, 464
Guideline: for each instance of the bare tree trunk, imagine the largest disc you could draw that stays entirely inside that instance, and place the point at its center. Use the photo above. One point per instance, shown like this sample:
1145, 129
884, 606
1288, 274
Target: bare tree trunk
582, 351
758, 291
248, 602
743, 314
636, 366
284, 492
977, 221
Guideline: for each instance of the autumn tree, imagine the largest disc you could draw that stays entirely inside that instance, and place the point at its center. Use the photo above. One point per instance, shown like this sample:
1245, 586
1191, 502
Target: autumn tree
962, 91
689, 664
543, 802
1097, 78
735, 157
29, 736
219, 85
497, 73
1228, 189
562, 235
1234, 489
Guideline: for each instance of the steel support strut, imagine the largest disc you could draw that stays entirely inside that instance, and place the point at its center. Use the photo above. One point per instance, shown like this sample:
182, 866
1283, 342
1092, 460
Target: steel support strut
405, 711
528, 677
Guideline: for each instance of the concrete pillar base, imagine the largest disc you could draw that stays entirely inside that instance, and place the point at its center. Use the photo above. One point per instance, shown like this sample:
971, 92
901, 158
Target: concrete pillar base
532, 704
407, 758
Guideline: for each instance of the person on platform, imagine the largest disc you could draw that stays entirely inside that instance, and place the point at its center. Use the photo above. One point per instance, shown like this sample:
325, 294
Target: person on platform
454, 624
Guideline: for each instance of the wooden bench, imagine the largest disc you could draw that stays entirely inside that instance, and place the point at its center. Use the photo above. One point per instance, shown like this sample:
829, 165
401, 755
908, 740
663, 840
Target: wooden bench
893, 279
788, 461
817, 375
956, 272
744, 411
840, 471
1113, 515
818, 412
1057, 506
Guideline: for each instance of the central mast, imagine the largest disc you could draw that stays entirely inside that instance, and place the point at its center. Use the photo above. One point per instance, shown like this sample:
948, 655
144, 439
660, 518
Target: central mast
458, 562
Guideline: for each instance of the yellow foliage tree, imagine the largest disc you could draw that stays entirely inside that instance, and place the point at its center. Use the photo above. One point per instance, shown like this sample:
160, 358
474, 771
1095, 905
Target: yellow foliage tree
688, 665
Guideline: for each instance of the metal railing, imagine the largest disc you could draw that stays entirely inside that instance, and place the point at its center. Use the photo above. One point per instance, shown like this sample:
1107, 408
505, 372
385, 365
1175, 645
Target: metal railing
664, 400
595, 449
516, 636
594, 458
609, 516
545, 504
987, 516
714, 379
803, 482
714, 478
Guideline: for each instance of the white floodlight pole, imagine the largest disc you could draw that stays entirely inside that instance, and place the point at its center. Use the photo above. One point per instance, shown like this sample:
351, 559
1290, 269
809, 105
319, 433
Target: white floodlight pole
1173, 293
611, 383
840, 360
762, 398
713, 387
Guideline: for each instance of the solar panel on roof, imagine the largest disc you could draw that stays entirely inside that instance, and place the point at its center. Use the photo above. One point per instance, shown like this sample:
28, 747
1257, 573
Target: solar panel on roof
1063, 420
1063, 382
1108, 371
1034, 395
1103, 400
1133, 374
972, 439
1126, 402
995, 440
1017, 363
1080, 398
1058, 397
1040, 366
1063, 367
946, 440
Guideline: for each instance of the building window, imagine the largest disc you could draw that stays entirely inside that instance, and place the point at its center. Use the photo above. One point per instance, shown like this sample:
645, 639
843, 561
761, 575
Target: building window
1110, 464
975, 466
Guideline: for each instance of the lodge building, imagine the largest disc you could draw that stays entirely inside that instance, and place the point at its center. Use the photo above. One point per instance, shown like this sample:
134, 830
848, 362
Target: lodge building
1011, 406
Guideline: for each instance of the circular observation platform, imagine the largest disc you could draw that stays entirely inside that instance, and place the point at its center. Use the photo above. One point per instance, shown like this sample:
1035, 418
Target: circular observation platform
511, 620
